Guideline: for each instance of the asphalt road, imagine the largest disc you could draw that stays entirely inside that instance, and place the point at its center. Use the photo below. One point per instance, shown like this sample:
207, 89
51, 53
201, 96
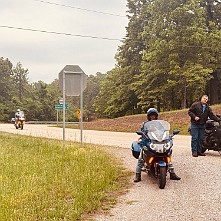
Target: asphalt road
197, 196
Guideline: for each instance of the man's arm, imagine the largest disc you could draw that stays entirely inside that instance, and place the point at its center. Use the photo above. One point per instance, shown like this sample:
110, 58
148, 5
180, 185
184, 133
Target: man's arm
212, 116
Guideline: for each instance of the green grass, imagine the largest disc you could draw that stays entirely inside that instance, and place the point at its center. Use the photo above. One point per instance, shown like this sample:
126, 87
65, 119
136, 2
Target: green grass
40, 179
183, 128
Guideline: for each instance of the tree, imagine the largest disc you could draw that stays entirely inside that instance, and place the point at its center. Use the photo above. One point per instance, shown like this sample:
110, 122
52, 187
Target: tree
212, 10
174, 61
6, 89
90, 94
6, 80
20, 77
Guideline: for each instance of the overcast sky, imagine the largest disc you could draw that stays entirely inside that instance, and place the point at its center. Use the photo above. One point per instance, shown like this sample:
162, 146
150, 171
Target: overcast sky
44, 55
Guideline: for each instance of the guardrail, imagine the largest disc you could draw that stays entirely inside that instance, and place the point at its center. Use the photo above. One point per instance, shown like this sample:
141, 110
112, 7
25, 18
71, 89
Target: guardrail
49, 122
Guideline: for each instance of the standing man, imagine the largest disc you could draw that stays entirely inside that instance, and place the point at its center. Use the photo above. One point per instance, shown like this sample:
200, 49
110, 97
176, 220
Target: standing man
199, 113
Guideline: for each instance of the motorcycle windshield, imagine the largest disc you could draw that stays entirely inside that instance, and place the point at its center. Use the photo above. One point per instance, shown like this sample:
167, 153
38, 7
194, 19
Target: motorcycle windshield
157, 129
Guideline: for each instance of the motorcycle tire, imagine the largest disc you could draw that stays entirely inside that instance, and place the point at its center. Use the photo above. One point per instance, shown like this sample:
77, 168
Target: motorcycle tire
22, 127
162, 178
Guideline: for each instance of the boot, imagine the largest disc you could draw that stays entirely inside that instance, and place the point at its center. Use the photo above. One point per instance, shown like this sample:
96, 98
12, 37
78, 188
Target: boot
173, 176
194, 154
137, 178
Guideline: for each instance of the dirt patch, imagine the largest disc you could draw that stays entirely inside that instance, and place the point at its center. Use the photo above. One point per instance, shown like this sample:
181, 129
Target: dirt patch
177, 119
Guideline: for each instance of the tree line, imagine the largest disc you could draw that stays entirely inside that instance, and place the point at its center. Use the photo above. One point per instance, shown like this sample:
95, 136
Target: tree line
38, 99
169, 57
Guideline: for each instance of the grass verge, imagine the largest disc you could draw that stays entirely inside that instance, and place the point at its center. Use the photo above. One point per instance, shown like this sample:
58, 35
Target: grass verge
42, 180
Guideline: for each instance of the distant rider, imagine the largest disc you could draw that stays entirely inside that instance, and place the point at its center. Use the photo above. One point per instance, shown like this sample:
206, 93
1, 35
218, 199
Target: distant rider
17, 115
152, 114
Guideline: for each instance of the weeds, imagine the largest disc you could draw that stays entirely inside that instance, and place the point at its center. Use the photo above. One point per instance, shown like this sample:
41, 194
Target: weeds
42, 180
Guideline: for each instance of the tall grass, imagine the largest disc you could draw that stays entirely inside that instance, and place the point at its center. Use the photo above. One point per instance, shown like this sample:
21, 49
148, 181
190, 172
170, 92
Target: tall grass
42, 180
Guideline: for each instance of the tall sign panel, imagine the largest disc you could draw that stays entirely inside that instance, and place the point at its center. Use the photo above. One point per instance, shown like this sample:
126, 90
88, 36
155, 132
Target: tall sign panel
72, 82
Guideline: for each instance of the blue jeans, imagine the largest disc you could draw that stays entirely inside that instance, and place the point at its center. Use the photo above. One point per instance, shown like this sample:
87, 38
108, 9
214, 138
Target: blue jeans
197, 132
140, 163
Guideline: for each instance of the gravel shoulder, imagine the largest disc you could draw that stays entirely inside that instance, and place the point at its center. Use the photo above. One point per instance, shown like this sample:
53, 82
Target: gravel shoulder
197, 196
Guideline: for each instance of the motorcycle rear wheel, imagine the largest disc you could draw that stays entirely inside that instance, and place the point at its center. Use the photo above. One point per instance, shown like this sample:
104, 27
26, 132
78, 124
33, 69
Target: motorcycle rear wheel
162, 178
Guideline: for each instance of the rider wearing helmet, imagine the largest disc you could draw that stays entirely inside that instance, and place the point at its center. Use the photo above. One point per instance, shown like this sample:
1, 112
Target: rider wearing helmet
17, 115
152, 114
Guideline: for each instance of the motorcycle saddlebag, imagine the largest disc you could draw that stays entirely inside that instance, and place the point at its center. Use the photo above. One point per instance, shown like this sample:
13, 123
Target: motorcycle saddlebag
135, 149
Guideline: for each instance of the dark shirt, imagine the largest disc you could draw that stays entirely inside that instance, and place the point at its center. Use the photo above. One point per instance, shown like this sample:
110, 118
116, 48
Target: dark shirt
196, 110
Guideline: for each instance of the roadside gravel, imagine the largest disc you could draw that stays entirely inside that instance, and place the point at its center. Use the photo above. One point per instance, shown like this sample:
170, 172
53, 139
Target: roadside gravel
197, 196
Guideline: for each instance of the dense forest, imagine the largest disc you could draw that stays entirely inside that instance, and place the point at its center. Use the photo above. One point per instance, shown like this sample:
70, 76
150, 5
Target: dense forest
37, 99
169, 57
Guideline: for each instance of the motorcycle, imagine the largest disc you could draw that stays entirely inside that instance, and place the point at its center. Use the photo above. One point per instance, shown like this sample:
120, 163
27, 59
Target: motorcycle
20, 121
212, 136
155, 145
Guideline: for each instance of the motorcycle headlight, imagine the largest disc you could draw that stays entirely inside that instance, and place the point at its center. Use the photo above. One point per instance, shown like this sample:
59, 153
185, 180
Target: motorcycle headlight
153, 146
167, 145
160, 147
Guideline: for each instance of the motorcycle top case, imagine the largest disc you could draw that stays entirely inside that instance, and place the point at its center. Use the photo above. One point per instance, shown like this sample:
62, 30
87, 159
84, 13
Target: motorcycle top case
135, 149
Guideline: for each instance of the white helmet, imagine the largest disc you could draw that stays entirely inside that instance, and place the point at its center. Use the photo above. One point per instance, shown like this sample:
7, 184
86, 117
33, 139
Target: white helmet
18, 110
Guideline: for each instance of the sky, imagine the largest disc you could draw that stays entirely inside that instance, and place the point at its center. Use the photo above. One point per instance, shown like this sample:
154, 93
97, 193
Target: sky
45, 54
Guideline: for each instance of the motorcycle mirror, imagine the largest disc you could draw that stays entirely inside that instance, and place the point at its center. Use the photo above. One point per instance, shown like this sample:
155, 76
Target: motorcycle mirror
175, 132
139, 132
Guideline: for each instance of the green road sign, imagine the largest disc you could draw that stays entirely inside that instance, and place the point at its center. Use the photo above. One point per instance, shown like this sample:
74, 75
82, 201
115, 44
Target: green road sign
60, 106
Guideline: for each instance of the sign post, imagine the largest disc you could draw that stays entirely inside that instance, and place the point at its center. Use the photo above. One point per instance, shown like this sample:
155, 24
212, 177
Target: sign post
72, 82
81, 109
57, 118
63, 92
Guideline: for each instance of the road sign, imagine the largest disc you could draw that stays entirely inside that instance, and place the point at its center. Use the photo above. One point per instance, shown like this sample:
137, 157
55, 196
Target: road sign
72, 82
79, 114
60, 106
61, 101
75, 80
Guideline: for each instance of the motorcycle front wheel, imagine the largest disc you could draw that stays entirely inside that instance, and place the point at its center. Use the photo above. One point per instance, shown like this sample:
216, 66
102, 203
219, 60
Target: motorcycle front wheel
162, 177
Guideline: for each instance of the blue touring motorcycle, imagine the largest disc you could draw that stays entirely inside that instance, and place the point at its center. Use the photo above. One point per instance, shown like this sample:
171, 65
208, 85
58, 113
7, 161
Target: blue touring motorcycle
155, 146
